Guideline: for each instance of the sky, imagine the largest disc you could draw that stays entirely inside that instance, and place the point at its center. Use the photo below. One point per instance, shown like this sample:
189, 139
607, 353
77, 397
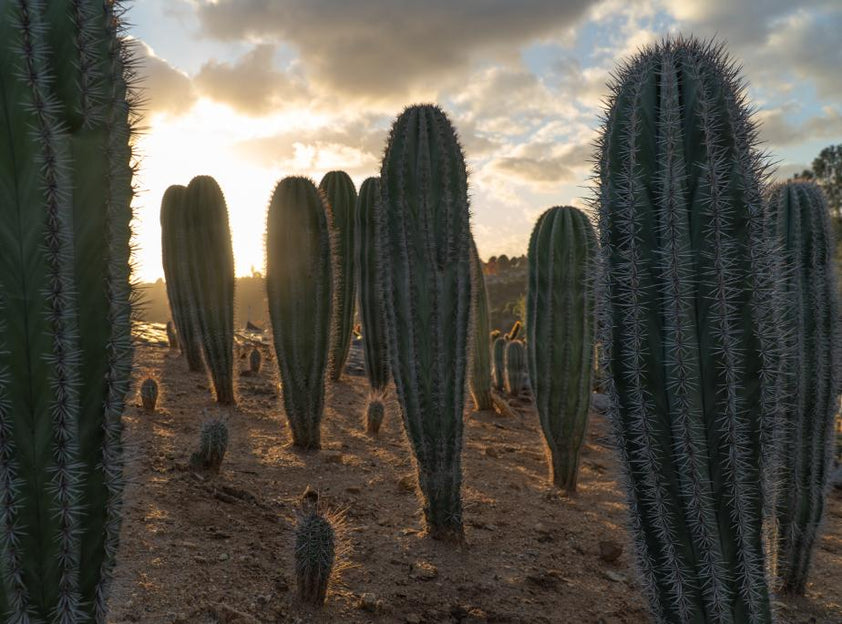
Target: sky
251, 91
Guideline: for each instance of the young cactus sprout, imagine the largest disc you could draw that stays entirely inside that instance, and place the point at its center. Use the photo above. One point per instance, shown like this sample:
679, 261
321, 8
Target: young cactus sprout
149, 394
315, 551
498, 354
255, 361
515, 367
172, 336
213, 443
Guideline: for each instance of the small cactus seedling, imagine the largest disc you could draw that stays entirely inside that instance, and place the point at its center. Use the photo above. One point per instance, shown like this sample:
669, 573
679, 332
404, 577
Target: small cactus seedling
515, 367
172, 336
213, 443
315, 551
255, 361
149, 394
375, 413
498, 354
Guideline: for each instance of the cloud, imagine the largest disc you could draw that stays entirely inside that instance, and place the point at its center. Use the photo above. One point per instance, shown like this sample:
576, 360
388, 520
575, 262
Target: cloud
778, 131
387, 48
544, 163
251, 85
164, 89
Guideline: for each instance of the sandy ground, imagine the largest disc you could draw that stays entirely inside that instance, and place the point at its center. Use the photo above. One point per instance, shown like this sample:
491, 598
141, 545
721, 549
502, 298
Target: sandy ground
218, 549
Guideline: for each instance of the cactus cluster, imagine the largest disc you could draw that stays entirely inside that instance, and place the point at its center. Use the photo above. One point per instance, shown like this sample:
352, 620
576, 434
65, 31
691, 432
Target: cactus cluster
480, 377
299, 287
213, 444
315, 551
341, 198
560, 327
65, 304
371, 305
691, 345
424, 259
149, 394
798, 219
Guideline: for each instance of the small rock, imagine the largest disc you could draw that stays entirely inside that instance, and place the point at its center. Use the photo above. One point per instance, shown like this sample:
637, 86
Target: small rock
614, 576
423, 570
413, 618
353, 490
600, 402
369, 602
407, 483
332, 457
492, 452
224, 556
610, 551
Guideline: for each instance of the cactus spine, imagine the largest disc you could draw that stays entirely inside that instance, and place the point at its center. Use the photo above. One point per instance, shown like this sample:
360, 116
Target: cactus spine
341, 196
65, 305
371, 304
315, 551
690, 344
149, 394
798, 219
498, 353
515, 367
424, 250
299, 287
213, 444
480, 378
560, 328
210, 265
177, 276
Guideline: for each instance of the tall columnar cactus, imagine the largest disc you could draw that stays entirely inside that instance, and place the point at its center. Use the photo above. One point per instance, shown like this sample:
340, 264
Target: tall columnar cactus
65, 305
561, 321
299, 288
209, 263
498, 354
371, 304
690, 341
480, 377
341, 196
798, 219
424, 250
515, 367
177, 276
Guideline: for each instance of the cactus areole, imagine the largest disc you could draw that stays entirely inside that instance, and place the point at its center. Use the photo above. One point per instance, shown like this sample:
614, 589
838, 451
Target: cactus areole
690, 341
424, 249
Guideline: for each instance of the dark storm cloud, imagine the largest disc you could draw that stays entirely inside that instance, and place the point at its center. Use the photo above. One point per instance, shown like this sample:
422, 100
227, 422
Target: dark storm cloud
381, 48
251, 84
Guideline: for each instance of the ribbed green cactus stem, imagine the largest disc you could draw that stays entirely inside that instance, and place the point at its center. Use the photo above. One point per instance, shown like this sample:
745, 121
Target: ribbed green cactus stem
424, 249
341, 197
498, 354
561, 322
172, 336
177, 276
480, 376
371, 304
315, 551
798, 219
515, 367
255, 361
299, 283
65, 305
514, 332
691, 346
209, 263
149, 394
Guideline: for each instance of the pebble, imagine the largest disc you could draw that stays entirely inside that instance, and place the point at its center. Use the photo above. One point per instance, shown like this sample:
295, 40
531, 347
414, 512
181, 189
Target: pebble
610, 551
